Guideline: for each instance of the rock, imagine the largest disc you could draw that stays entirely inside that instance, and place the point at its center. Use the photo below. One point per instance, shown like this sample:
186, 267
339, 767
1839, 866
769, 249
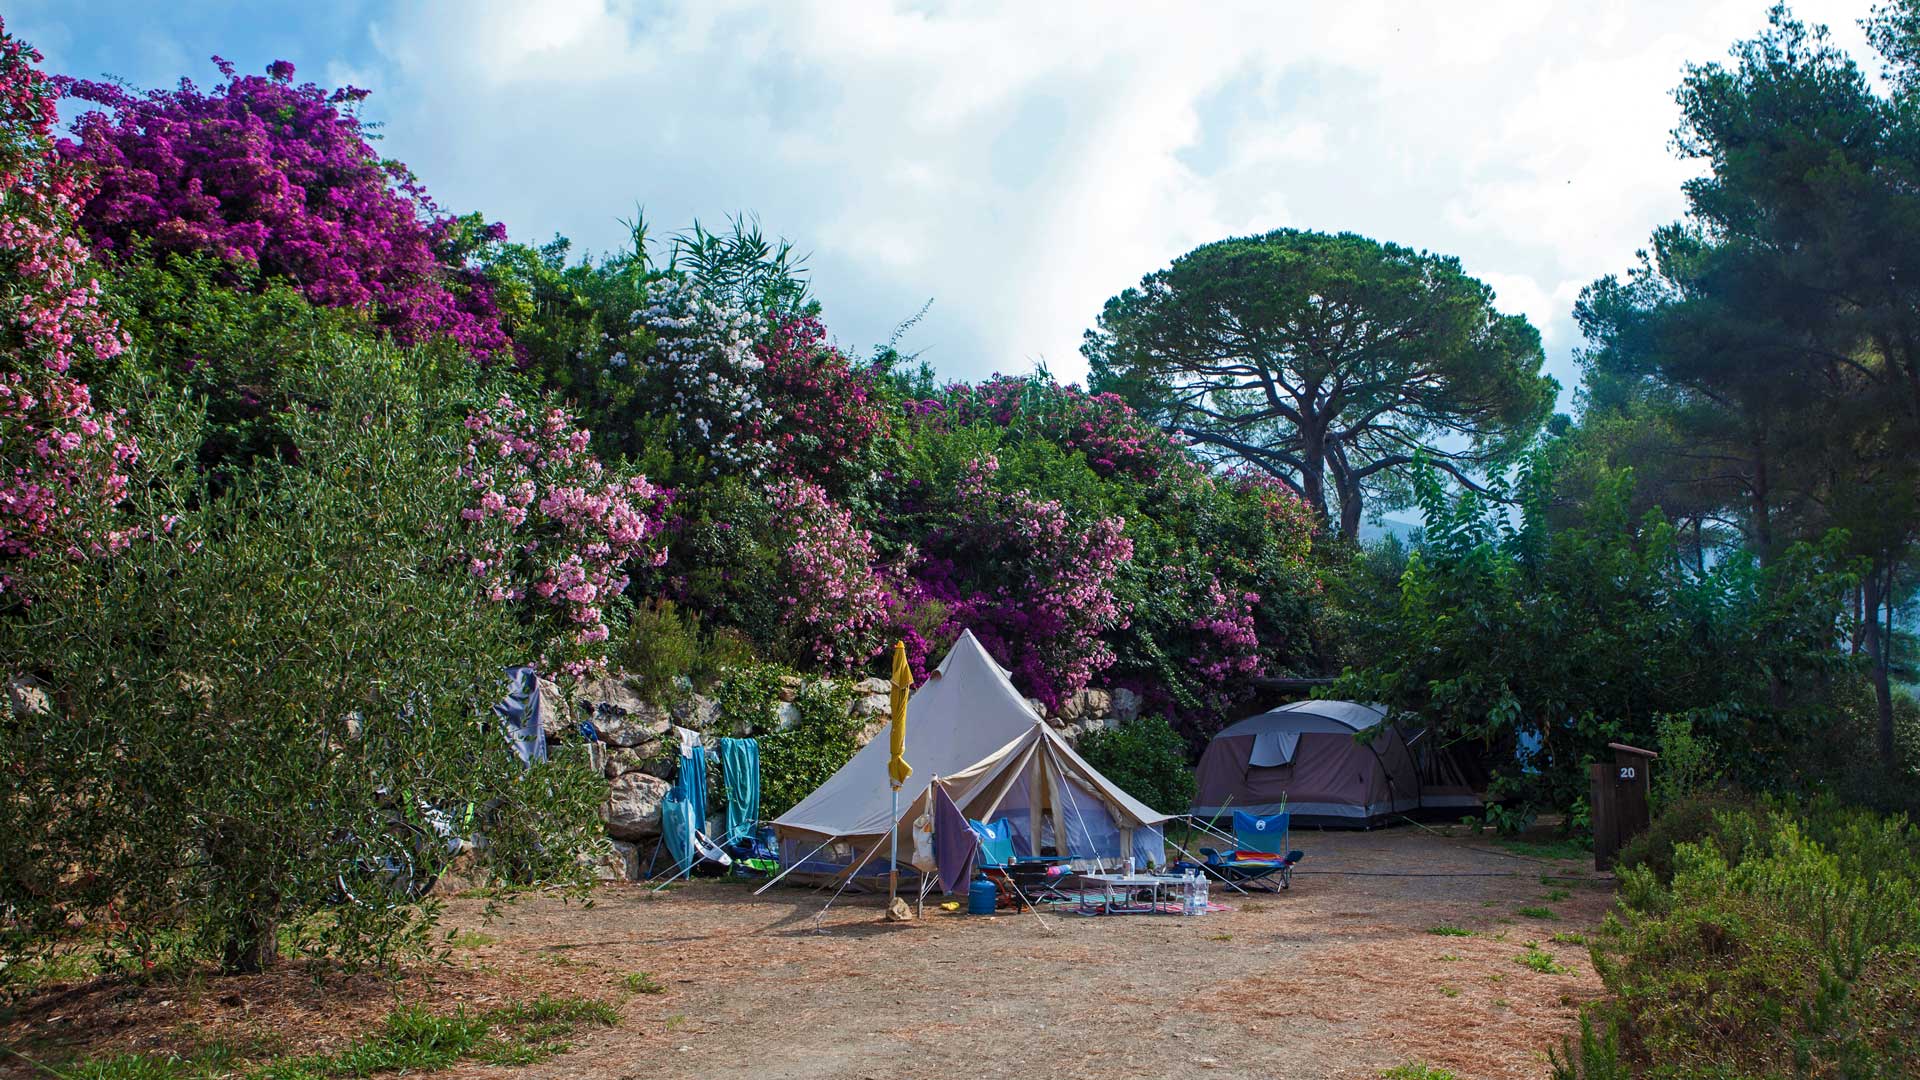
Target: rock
872, 685
618, 711
871, 705
597, 757
1038, 706
1084, 704
873, 730
620, 862
1125, 708
790, 687
697, 712
633, 806
786, 717
27, 697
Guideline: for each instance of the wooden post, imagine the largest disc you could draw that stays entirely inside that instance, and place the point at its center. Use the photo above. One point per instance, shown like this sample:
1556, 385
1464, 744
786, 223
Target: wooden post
1618, 800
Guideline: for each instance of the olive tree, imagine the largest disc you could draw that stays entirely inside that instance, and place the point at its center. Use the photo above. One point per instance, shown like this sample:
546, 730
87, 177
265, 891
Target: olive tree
245, 728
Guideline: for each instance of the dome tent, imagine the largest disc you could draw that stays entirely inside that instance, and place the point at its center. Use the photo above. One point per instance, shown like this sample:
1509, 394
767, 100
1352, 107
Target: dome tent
1304, 758
972, 731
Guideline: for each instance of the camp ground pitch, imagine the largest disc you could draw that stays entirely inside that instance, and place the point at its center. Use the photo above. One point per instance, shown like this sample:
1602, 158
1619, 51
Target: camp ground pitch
973, 734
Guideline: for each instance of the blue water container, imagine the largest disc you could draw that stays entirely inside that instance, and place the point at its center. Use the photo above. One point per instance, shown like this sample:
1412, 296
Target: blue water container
981, 897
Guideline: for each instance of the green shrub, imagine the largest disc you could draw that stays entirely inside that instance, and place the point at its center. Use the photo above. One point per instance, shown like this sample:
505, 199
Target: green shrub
1785, 941
660, 648
795, 761
1685, 820
1147, 758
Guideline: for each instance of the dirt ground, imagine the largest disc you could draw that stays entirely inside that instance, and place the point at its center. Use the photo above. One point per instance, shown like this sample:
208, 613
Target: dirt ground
1339, 977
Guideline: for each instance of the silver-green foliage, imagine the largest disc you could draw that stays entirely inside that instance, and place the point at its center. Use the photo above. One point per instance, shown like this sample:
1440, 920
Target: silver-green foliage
249, 711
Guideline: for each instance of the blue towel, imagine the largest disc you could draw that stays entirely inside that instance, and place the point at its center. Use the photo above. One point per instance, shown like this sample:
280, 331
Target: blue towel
740, 771
676, 828
691, 785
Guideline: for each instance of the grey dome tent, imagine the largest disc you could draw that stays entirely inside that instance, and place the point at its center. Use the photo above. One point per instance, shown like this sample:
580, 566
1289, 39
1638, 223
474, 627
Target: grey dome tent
1303, 757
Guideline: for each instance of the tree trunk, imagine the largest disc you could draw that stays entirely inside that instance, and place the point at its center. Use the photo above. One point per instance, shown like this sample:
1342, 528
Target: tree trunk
1313, 471
252, 946
1761, 509
1878, 645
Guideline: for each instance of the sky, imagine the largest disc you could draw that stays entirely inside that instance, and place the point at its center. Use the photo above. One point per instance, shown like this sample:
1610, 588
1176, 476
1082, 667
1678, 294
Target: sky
1018, 163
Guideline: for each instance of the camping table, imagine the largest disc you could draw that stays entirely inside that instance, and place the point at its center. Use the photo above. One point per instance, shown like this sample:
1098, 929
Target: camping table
1124, 884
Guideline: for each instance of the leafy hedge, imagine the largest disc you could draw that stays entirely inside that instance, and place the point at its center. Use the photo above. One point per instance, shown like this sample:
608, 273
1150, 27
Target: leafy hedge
1782, 941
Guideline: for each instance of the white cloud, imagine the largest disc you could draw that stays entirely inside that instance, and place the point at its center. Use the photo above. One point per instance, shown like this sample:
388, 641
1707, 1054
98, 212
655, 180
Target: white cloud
1020, 163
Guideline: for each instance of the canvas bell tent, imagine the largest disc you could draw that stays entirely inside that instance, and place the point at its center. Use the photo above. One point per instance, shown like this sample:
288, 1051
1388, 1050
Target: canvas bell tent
971, 732
1304, 758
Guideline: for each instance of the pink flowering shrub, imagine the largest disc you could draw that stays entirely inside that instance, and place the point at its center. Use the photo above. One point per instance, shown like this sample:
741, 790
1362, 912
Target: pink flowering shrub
824, 413
836, 608
553, 530
61, 461
1229, 647
265, 172
1036, 587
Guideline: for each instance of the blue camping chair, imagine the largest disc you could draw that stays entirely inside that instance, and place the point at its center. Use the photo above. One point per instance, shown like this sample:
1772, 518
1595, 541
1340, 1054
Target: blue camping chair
1035, 876
1261, 857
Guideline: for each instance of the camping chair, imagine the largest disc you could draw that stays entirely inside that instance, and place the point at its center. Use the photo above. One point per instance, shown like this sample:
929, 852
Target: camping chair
1262, 854
1029, 876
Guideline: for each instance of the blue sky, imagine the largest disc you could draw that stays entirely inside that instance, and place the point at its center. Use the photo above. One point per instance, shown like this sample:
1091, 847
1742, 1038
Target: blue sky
1015, 163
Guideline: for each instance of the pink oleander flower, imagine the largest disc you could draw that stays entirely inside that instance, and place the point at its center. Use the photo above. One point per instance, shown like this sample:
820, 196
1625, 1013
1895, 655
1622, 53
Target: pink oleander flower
61, 461
553, 529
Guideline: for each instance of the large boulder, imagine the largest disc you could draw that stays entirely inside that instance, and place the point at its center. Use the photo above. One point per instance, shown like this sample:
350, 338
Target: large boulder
873, 685
1083, 705
619, 862
869, 706
622, 760
633, 806
1125, 708
617, 710
697, 712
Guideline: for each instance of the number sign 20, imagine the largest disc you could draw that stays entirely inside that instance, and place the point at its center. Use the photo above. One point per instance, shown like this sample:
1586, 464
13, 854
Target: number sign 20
1627, 772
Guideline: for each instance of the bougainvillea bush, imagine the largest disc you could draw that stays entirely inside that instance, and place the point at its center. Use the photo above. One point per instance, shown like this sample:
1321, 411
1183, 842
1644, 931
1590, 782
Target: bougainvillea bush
268, 173
1033, 581
61, 460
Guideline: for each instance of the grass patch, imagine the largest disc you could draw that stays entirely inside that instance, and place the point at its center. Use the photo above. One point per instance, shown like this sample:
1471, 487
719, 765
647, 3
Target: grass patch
643, 982
1540, 960
1568, 937
469, 939
1219, 937
1447, 958
410, 1039
1554, 896
1548, 849
1418, 1070
1537, 913
1450, 991
1449, 931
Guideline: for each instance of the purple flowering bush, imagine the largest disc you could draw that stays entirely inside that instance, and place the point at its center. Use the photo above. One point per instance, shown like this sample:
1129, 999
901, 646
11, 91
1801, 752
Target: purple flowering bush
280, 176
1034, 583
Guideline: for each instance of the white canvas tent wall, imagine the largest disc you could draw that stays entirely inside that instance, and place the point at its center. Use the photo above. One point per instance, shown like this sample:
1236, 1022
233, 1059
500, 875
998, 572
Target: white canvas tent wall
995, 757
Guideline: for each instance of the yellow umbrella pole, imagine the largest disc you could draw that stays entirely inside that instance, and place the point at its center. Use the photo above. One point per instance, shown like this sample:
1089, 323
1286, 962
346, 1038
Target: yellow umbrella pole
897, 768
